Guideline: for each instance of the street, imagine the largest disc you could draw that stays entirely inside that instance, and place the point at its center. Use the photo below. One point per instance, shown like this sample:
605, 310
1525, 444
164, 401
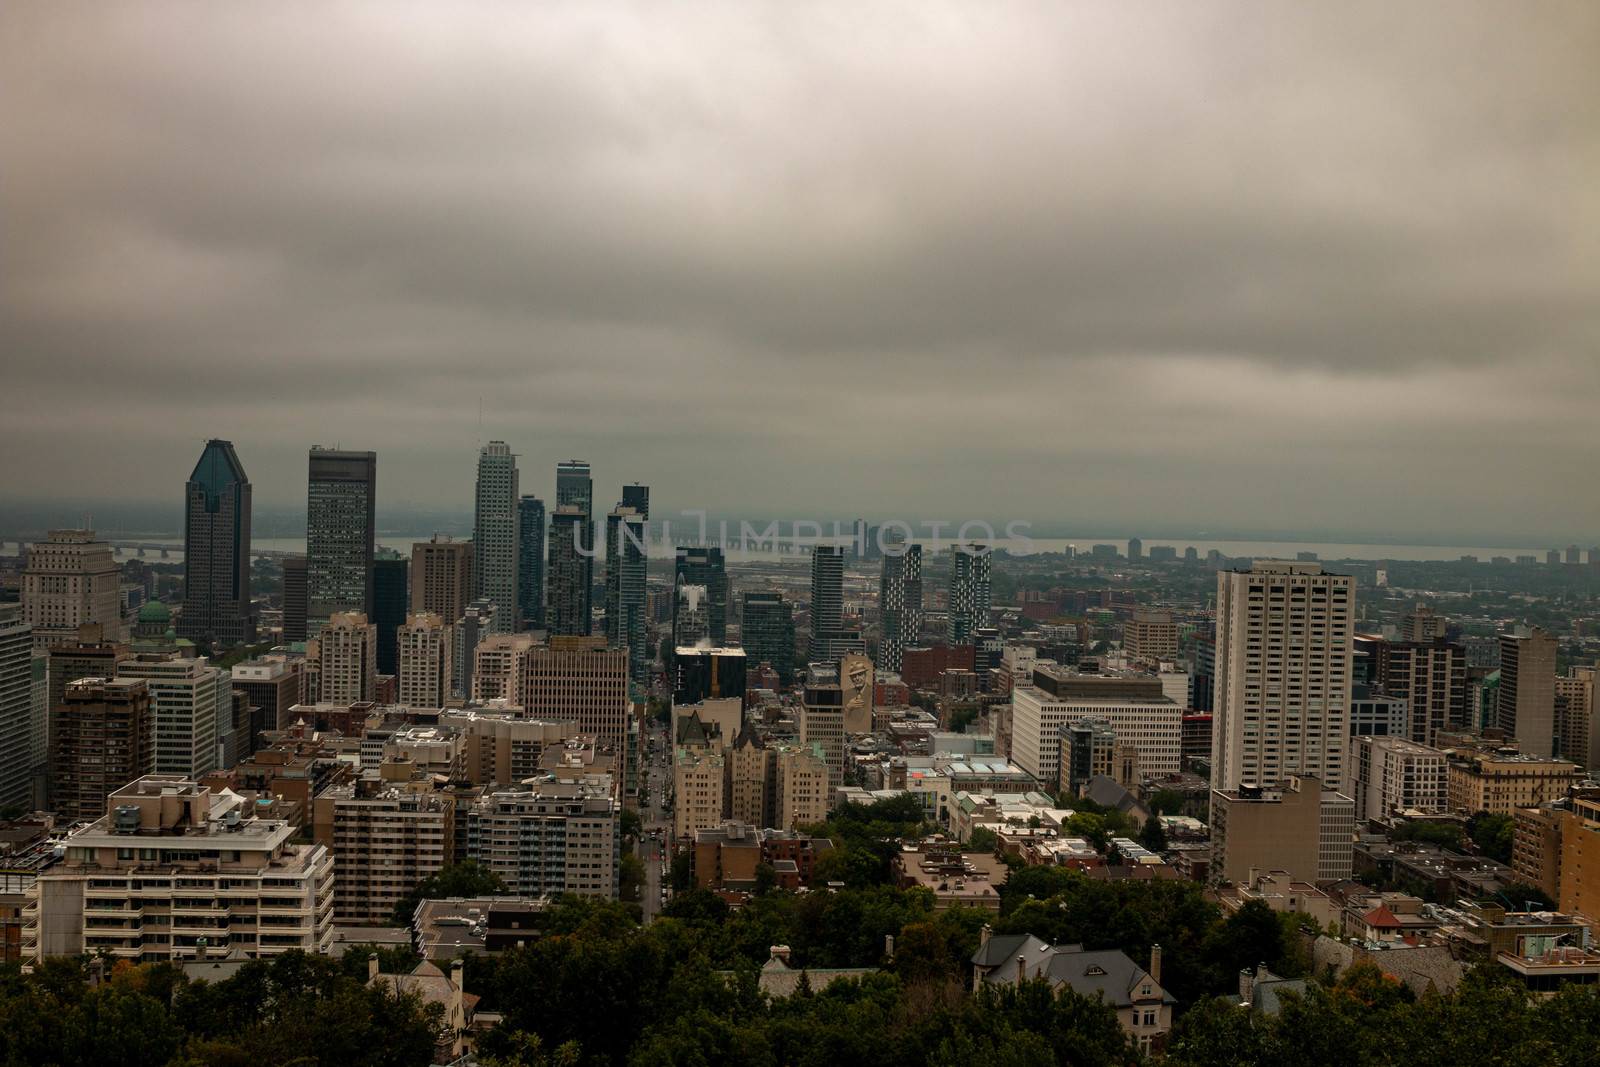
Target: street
656, 821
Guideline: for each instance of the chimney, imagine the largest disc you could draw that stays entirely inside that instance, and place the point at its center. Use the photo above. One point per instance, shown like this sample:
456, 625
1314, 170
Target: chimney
1022, 970
888, 947
200, 948
372, 966
97, 971
1246, 984
781, 954
1155, 964
984, 935
458, 1007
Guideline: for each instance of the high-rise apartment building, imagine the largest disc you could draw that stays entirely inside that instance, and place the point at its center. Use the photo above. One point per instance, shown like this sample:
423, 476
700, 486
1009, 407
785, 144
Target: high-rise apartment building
441, 576
530, 562
1526, 705
625, 571
192, 704
1423, 624
104, 734
768, 632
216, 551
1151, 637
969, 596
347, 650
830, 639
1282, 697
390, 606
70, 579
174, 871
706, 568
494, 532
575, 486
426, 675
341, 534
899, 603
1577, 731
385, 836
21, 732
1431, 677
570, 584
637, 497
475, 625
555, 838
500, 668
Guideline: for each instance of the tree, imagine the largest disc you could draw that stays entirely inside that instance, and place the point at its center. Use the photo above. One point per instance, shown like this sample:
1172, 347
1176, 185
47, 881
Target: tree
982, 839
464, 879
1154, 835
629, 824
1492, 835
630, 877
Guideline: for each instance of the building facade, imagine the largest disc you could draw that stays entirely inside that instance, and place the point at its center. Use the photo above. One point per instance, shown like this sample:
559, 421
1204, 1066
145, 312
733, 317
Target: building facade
104, 739
899, 603
427, 670
217, 609
1526, 705
71, 580
494, 532
530, 562
341, 534
441, 577
969, 595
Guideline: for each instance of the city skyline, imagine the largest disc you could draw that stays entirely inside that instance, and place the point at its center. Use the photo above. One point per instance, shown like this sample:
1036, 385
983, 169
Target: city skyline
1317, 258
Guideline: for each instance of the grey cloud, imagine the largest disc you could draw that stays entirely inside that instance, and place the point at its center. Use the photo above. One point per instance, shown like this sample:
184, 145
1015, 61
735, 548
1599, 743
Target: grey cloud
849, 257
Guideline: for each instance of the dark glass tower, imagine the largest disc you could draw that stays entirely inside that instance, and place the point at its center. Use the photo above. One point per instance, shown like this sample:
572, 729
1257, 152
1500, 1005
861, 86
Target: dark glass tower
768, 632
567, 607
625, 569
703, 567
390, 601
341, 534
216, 551
530, 562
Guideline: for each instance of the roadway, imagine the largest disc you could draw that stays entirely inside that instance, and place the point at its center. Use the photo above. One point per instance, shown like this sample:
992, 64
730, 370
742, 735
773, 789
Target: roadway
655, 815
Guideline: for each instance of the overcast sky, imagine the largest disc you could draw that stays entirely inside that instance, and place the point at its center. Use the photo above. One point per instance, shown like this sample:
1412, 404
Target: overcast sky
1264, 266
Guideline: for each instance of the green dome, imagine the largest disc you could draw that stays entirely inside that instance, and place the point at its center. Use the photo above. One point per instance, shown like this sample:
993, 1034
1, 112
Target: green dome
155, 611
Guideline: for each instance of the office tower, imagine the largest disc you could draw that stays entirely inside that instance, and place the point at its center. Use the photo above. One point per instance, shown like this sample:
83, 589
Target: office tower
295, 602
494, 532
390, 600
274, 686
1087, 749
571, 573
441, 576
21, 733
1298, 827
385, 838
70, 579
216, 551
425, 678
899, 603
574, 485
704, 567
821, 721
580, 680
625, 570
768, 632
708, 673
1203, 674
637, 497
1526, 705
225, 859
104, 738
347, 665
341, 534
1134, 705
1135, 548
1423, 624
1282, 691
1151, 637
1431, 677
1392, 775
550, 839
530, 562
969, 591
192, 706
476, 624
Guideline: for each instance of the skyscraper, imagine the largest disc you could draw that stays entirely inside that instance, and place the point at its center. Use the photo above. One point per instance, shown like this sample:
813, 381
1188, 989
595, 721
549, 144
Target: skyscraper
637, 497
389, 603
19, 734
191, 703
1525, 707
104, 738
71, 579
768, 632
704, 567
530, 562
1282, 688
294, 598
899, 603
829, 640
341, 533
346, 659
574, 485
494, 533
441, 576
567, 604
216, 551
625, 570
969, 591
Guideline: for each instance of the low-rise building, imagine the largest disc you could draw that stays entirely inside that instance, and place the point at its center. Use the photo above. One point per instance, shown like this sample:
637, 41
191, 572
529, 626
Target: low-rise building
1501, 782
954, 878
549, 838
